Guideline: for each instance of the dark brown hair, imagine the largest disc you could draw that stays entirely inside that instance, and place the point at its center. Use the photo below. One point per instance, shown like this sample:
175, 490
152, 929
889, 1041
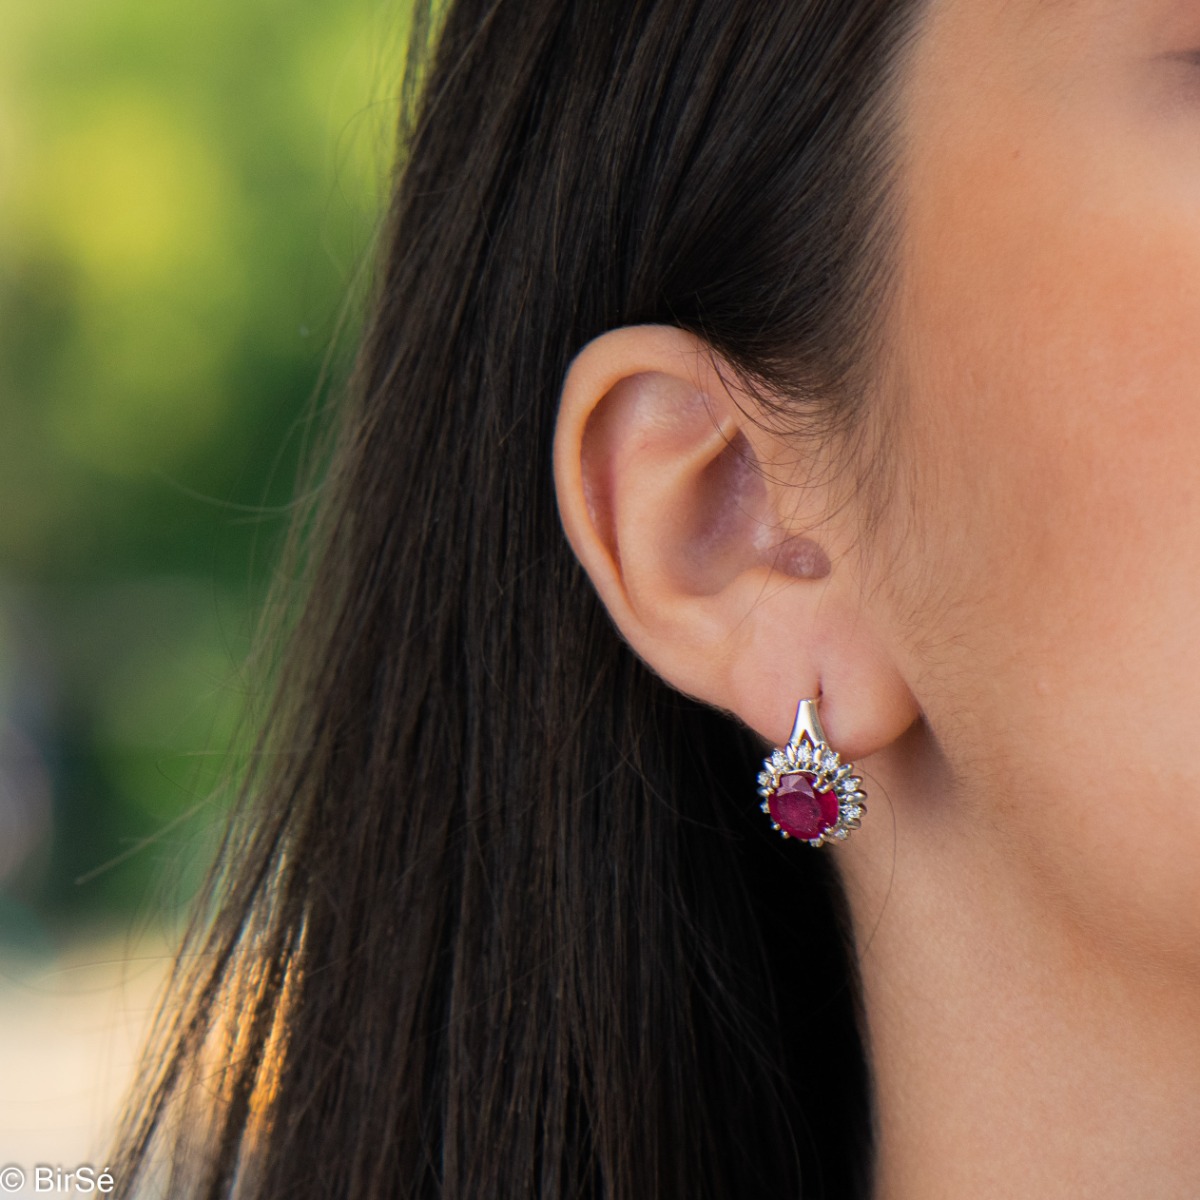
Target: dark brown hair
498, 916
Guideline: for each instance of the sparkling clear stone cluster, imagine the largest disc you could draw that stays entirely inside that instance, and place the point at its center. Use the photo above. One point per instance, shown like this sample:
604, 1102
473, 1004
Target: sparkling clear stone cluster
799, 785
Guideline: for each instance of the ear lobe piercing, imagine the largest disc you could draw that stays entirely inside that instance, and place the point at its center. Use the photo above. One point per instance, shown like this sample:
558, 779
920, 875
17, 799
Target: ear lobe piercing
807, 791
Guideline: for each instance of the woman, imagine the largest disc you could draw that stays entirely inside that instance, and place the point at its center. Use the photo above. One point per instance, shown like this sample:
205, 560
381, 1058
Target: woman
853, 345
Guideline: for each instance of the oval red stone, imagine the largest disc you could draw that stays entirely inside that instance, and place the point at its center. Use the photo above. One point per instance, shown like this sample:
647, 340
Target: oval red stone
800, 810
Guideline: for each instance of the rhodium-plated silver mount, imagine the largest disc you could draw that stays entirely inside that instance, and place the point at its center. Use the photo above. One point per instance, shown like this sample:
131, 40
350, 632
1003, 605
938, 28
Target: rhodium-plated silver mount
808, 753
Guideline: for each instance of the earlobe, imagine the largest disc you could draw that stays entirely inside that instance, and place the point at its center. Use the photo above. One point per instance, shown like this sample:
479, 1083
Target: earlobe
711, 567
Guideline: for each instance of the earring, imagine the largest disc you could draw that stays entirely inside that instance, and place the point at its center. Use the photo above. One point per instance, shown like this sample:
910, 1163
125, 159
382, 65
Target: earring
807, 791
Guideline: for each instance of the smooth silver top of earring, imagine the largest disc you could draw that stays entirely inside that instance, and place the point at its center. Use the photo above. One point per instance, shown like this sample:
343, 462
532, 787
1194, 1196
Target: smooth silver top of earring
807, 721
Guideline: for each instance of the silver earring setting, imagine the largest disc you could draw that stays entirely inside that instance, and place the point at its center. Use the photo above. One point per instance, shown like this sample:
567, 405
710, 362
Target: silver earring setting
807, 791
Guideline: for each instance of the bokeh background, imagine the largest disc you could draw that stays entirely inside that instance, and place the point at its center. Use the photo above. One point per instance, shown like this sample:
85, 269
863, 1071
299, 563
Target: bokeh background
188, 199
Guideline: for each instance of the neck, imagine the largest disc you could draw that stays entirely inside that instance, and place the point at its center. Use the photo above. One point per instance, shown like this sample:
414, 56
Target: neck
1013, 1055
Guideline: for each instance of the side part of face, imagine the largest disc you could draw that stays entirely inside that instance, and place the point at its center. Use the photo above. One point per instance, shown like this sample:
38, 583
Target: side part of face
1045, 589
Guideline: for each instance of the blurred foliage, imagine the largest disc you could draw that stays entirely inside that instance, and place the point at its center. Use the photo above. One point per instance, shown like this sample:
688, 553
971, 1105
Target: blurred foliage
187, 196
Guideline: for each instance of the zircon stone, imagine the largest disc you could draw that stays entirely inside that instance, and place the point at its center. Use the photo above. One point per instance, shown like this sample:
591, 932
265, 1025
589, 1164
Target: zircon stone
800, 810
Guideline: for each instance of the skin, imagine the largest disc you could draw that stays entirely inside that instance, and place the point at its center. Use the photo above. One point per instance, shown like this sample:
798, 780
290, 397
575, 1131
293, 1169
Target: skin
1012, 654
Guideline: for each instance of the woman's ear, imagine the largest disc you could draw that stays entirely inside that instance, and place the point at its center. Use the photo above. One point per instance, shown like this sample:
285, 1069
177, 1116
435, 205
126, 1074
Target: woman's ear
726, 579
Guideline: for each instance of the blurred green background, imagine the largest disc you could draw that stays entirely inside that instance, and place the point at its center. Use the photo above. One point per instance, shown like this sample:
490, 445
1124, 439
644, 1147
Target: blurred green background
188, 195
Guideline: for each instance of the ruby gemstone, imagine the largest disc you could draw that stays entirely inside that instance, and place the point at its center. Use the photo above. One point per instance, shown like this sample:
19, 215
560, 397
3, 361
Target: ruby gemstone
800, 810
